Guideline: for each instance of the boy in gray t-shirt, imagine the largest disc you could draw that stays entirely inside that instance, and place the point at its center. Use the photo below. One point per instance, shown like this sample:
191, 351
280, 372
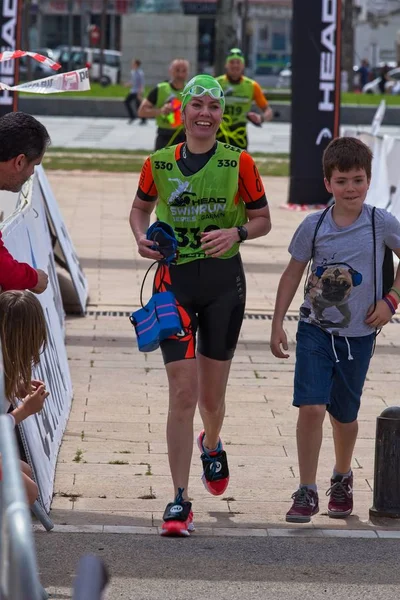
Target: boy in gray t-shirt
342, 309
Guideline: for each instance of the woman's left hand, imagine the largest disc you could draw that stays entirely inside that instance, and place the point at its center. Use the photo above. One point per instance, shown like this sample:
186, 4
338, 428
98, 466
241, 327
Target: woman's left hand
215, 243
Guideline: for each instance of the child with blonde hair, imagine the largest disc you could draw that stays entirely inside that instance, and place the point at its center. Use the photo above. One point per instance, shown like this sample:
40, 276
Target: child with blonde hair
23, 337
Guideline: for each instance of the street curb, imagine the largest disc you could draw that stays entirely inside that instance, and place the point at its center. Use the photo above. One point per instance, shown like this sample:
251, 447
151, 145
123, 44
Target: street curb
230, 531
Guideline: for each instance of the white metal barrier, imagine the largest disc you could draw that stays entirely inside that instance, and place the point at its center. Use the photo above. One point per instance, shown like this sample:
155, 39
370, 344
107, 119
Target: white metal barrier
28, 233
384, 191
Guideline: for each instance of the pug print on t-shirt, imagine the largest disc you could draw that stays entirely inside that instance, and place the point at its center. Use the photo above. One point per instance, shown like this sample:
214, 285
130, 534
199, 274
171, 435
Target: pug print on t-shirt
329, 289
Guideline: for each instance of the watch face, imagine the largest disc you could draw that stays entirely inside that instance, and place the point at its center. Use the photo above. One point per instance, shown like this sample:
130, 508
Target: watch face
243, 233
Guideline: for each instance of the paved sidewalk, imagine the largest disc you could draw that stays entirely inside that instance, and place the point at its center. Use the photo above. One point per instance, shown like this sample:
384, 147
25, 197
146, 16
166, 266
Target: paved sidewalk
116, 134
113, 467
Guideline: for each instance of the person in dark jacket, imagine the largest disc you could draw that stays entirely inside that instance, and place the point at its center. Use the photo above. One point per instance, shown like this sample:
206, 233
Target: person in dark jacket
383, 79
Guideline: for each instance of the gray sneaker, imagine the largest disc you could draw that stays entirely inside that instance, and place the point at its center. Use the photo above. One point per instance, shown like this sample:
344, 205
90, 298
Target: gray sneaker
305, 506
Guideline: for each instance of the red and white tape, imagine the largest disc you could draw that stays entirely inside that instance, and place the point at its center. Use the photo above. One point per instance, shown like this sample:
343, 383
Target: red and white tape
73, 81
45, 60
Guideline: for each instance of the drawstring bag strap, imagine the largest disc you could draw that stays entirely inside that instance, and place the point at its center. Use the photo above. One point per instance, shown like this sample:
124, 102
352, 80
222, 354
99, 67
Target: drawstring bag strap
318, 225
143, 282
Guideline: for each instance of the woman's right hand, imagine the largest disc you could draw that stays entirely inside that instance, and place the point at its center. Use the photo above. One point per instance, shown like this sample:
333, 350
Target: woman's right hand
278, 341
144, 249
33, 403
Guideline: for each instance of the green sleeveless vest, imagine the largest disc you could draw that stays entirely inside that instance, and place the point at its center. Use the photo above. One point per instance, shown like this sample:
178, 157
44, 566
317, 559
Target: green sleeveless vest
238, 99
164, 93
201, 202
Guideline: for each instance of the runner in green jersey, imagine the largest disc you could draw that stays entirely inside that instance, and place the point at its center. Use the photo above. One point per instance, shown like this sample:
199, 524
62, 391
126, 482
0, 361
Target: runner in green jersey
240, 94
164, 104
212, 196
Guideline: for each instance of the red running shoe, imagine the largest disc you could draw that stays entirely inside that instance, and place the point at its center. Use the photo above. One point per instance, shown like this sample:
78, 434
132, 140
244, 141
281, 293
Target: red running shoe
178, 517
340, 503
215, 476
305, 506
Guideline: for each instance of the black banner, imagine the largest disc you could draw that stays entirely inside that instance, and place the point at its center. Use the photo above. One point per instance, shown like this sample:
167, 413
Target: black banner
315, 95
10, 27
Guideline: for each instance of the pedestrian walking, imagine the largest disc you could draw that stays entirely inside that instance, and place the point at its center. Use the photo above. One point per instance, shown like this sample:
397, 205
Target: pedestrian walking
135, 95
363, 73
383, 79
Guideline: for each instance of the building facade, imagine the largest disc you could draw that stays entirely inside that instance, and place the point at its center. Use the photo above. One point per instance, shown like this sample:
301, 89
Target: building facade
263, 28
265, 32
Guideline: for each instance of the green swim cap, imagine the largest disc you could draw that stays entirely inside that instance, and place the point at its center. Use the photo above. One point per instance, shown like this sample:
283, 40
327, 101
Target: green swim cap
200, 85
235, 54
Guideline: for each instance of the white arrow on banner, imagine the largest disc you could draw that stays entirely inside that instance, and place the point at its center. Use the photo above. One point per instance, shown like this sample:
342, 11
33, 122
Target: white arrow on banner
73, 81
378, 118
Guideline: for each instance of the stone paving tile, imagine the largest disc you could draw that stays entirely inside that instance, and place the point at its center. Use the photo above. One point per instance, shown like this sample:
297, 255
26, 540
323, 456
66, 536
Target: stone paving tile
125, 421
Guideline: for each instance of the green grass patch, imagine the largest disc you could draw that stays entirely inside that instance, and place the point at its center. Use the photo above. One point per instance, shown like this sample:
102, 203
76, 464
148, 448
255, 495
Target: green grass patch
79, 163
352, 98
275, 95
369, 99
61, 150
273, 167
69, 495
78, 456
109, 161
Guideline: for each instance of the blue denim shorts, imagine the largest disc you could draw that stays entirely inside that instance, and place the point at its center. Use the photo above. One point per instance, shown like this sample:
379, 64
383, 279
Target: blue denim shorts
331, 370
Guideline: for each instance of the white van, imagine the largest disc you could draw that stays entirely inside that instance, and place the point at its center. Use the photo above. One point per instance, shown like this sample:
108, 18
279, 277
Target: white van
111, 65
90, 58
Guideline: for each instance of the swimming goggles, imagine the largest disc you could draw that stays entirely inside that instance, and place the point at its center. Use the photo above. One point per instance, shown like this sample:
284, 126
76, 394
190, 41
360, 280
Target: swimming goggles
198, 90
235, 52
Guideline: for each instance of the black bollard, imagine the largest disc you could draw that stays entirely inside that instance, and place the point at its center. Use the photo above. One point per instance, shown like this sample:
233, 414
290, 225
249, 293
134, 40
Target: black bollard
387, 465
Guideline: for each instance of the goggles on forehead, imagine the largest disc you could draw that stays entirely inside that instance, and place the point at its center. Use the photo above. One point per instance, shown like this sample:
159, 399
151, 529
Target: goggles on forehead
235, 52
198, 90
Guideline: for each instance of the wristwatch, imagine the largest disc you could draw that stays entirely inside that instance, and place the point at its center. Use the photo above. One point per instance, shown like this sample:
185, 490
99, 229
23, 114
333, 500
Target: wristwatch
243, 233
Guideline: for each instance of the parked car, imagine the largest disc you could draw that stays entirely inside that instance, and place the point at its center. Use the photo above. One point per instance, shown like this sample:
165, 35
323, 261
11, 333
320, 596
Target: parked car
372, 87
285, 78
37, 70
77, 58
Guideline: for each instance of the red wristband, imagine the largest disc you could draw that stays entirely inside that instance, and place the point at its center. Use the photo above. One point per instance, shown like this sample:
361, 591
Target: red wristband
390, 305
393, 300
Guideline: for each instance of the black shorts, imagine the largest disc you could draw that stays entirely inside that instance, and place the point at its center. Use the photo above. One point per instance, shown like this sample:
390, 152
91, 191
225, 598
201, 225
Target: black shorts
211, 296
166, 137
